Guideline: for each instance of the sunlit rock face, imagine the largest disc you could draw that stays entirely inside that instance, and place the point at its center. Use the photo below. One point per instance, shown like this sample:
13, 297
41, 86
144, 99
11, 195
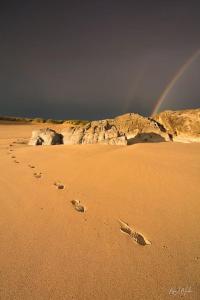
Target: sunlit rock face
101, 132
140, 129
182, 126
73, 135
45, 136
128, 129
123, 130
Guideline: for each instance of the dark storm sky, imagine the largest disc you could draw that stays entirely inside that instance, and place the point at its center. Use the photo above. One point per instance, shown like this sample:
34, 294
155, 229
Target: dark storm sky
96, 59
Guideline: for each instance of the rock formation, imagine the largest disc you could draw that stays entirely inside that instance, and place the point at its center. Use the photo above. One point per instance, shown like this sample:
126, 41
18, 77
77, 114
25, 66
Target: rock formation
140, 129
45, 136
123, 130
103, 132
182, 126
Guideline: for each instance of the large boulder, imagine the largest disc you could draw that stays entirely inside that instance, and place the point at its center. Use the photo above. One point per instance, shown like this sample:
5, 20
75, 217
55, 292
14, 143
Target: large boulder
45, 136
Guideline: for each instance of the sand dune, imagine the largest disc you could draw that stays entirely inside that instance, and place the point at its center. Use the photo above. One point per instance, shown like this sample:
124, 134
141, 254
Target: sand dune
73, 218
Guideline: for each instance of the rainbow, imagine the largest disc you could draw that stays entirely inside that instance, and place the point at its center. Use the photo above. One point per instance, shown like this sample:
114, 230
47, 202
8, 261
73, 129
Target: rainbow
171, 84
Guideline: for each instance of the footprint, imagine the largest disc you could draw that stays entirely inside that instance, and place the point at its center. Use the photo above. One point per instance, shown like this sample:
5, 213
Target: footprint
13, 156
77, 205
59, 186
37, 175
16, 161
136, 236
32, 167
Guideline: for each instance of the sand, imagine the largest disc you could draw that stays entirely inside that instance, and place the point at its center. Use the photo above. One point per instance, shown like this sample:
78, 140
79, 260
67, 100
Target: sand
52, 250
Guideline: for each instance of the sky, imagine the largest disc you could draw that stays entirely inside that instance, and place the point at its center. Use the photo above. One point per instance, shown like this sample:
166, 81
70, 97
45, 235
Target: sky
97, 59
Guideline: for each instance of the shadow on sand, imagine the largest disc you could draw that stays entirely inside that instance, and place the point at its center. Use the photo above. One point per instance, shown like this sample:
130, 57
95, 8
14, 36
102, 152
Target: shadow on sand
150, 137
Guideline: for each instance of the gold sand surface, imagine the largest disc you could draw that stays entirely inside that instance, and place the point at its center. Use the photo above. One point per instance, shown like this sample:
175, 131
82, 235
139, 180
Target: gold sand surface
51, 250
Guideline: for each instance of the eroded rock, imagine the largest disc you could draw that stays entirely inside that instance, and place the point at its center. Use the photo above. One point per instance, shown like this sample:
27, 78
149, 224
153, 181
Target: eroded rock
45, 136
128, 129
183, 126
101, 132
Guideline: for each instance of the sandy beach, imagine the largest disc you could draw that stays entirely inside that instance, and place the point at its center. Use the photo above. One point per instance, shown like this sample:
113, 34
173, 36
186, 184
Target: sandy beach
50, 250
